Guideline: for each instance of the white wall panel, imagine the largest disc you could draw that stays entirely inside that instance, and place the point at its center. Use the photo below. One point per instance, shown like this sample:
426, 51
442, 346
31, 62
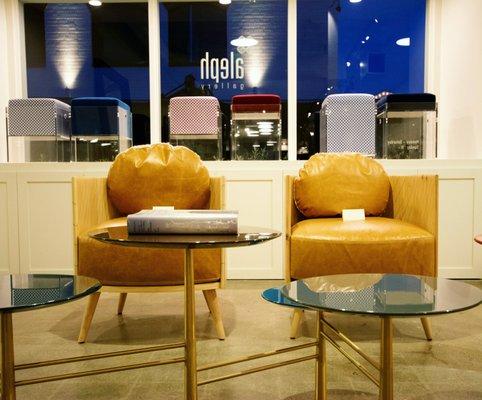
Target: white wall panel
45, 222
9, 253
36, 232
258, 197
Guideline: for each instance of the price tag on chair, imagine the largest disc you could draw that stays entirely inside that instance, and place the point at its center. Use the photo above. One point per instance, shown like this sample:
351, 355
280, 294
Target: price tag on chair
355, 214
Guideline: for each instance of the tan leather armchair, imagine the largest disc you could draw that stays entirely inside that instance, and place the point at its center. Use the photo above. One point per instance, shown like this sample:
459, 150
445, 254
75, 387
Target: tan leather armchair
398, 237
126, 270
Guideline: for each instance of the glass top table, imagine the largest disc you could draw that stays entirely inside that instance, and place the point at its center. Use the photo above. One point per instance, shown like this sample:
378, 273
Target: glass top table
25, 292
383, 294
247, 236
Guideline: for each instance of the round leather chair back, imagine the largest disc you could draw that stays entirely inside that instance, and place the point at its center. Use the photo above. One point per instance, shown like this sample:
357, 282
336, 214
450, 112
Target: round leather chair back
158, 175
329, 183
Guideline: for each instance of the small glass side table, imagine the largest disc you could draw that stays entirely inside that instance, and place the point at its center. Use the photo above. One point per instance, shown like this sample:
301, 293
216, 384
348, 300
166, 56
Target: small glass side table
31, 292
248, 236
386, 296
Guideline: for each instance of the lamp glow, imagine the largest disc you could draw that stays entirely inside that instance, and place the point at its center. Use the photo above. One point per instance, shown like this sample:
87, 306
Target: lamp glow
225, 2
95, 3
244, 41
404, 42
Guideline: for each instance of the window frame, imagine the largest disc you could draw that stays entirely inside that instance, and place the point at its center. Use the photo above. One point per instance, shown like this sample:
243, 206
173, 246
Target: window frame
17, 70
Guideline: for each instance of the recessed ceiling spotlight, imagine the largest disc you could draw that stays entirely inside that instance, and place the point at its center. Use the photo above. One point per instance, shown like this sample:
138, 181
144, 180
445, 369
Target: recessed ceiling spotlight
404, 42
367, 37
348, 64
376, 20
355, 1
95, 3
225, 2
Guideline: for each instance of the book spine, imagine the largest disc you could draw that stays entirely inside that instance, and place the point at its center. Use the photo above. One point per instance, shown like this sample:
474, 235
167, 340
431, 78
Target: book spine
220, 224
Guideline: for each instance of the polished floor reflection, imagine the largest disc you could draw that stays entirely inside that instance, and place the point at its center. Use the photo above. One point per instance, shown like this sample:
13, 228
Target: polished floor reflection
450, 367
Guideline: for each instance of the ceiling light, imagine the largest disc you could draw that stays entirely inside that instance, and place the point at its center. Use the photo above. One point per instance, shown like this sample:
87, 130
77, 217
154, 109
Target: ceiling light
376, 20
348, 64
95, 3
355, 1
244, 41
367, 37
225, 2
404, 42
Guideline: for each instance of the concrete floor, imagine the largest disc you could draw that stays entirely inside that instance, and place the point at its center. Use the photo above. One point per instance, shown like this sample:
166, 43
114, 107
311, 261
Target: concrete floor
449, 367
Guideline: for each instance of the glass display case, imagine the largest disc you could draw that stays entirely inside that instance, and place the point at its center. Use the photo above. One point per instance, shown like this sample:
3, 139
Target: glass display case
195, 122
347, 123
101, 128
38, 129
256, 127
407, 126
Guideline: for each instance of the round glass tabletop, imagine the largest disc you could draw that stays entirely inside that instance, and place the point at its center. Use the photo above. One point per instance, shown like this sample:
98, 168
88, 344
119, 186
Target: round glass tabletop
383, 294
25, 292
247, 236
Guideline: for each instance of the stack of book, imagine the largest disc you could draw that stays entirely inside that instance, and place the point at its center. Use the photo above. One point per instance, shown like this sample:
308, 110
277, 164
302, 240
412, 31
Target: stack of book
169, 221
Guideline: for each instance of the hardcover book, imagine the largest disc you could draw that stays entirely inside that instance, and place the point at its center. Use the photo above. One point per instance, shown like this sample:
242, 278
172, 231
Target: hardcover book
158, 221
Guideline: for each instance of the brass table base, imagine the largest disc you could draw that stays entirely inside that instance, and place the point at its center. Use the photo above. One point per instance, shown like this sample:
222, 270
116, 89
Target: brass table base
384, 368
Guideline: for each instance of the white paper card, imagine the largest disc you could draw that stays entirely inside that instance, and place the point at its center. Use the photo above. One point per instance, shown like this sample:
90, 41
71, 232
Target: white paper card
355, 214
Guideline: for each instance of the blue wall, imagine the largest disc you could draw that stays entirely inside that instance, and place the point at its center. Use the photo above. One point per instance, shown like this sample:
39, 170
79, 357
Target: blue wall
327, 39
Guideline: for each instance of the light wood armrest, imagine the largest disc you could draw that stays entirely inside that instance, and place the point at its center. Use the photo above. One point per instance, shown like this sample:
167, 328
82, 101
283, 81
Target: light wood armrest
217, 201
414, 199
91, 204
293, 216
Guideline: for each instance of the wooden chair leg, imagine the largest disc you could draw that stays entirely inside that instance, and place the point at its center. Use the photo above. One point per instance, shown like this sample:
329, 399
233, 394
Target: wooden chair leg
88, 315
121, 304
212, 301
295, 322
427, 327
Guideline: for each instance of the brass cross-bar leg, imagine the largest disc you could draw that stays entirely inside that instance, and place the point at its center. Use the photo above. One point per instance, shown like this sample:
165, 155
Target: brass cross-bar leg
190, 370
8, 366
320, 391
386, 359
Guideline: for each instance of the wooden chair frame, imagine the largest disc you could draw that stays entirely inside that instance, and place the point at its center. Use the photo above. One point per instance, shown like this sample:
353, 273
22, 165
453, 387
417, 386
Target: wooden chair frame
413, 199
92, 207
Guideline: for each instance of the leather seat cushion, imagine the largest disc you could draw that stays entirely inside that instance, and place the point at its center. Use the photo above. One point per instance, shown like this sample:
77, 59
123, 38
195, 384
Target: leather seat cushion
130, 266
328, 183
329, 246
158, 175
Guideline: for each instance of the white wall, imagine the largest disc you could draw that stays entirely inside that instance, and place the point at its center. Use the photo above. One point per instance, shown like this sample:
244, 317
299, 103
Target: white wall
454, 74
3, 81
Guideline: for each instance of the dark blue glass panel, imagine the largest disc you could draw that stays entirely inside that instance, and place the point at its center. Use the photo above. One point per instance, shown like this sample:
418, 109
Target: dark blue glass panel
346, 47
81, 51
192, 32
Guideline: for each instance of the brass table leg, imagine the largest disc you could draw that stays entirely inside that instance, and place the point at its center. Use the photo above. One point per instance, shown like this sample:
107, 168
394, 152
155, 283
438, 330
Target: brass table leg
386, 359
8, 366
320, 386
190, 370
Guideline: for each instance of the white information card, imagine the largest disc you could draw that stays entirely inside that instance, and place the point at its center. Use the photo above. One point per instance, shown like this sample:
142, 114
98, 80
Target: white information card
355, 214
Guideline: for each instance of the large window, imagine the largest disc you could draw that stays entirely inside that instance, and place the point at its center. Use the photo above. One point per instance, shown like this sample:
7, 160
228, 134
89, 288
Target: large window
355, 47
193, 34
75, 50
343, 46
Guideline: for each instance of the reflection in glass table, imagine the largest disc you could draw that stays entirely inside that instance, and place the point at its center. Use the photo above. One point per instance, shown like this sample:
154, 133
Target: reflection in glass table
30, 292
383, 295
